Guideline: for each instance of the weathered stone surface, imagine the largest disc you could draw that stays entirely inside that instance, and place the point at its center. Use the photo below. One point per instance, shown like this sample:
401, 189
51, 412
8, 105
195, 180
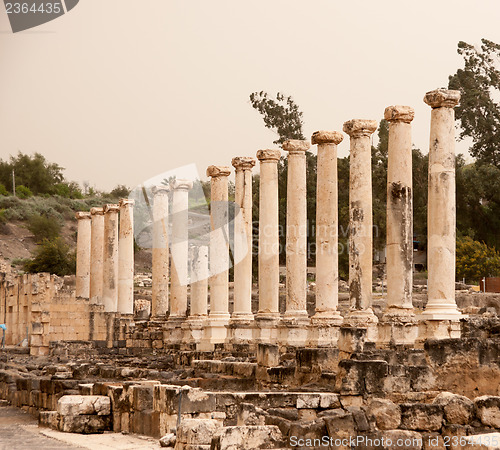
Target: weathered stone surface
296, 145
359, 127
243, 438
339, 424
48, 419
387, 415
314, 429
73, 405
391, 440
458, 409
196, 431
360, 419
168, 440
442, 97
85, 424
251, 415
218, 171
326, 137
488, 441
399, 113
307, 401
488, 410
418, 416
327, 400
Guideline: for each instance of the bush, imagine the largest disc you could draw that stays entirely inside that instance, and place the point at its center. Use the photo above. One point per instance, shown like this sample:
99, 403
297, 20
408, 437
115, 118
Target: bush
52, 256
476, 260
3, 190
44, 227
23, 192
120, 191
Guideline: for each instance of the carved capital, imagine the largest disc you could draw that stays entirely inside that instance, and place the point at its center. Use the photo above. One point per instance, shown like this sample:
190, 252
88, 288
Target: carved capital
442, 98
268, 155
161, 189
327, 137
296, 145
82, 215
126, 202
180, 184
243, 163
97, 211
111, 208
360, 127
218, 171
399, 113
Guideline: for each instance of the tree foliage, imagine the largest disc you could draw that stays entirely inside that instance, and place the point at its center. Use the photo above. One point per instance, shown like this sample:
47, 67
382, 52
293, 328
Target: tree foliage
281, 115
476, 260
479, 111
43, 227
52, 256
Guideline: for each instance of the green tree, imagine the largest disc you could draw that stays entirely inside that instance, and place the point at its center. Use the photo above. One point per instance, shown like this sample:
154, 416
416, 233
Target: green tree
476, 260
23, 192
44, 227
479, 113
52, 256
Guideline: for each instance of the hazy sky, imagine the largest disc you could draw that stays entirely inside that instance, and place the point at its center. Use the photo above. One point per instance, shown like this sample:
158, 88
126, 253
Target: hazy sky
117, 91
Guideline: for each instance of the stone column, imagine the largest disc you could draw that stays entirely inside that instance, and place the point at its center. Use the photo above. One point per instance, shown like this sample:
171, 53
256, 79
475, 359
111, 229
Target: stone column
179, 248
441, 215
269, 275
159, 302
96, 255
399, 261
296, 231
219, 253
243, 240
83, 249
110, 258
199, 289
360, 222
327, 260
126, 258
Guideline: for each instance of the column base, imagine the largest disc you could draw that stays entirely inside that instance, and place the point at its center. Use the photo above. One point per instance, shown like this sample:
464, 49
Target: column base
216, 328
267, 327
360, 317
441, 311
327, 318
438, 329
193, 329
172, 330
398, 327
323, 334
267, 315
242, 317
294, 331
299, 317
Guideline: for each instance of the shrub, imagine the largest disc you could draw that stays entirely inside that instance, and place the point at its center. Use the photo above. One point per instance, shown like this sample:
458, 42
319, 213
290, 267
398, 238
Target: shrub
476, 260
23, 192
3, 190
120, 191
53, 256
44, 227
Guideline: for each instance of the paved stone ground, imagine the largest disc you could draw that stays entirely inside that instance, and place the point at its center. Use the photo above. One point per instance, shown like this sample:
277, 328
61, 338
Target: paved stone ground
20, 431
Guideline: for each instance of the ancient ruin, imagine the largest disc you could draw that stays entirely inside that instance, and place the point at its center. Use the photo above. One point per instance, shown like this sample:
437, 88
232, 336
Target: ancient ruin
216, 365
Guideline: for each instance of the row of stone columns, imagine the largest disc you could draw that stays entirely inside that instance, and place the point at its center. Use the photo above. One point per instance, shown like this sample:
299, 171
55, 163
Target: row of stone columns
105, 256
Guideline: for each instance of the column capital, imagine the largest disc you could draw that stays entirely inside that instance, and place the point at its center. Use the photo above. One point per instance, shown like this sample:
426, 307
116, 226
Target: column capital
82, 215
327, 137
399, 113
218, 171
97, 211
360, 127
181, 184
111, 208
243, 163
126, 202
160, 189
268, 155
296, 145
442, 98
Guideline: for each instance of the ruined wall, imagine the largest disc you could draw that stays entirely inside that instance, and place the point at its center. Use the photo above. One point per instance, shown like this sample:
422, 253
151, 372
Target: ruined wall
42, 308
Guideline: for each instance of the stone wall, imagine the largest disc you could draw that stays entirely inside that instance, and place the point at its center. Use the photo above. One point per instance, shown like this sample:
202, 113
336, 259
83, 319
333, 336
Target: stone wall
43, 308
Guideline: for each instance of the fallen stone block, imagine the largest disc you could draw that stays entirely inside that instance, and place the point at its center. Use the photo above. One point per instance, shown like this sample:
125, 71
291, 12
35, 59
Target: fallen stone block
418, 416
74, 405
196, 431
85, 424
458, 409
387, 415
251, 437
49, 419
488, 410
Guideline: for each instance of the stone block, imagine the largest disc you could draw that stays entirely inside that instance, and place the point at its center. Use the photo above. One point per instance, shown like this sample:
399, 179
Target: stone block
249, 414
74, 405
268, 355
168, 440
421, 416
358, 377
49, 419
85, 424
458, 409
142, 398
386, 414
488, 410
339, 424
390, 440
308, 401
244, 438
308, 430
197, 431
328, 401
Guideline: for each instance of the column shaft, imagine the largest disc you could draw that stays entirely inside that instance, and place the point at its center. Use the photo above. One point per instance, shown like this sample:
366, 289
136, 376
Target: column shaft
399, 261
243, 239
159, 303
268, 235
360, 222
96, 255
126, 258
179, 248
441, 215
327, 268
83, 254
219, 243
199, 289
296, 231
110, 257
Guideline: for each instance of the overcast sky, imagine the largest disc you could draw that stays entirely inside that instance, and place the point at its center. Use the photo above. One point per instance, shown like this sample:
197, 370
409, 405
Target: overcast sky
117, 91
